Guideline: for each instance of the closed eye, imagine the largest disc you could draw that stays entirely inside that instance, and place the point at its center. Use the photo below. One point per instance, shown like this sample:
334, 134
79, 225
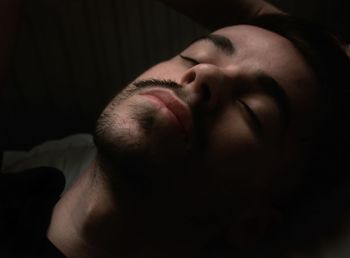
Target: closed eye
255, 119
189, 59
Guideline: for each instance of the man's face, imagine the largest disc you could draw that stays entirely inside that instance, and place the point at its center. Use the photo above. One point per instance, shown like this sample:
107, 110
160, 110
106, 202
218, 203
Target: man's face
212, 127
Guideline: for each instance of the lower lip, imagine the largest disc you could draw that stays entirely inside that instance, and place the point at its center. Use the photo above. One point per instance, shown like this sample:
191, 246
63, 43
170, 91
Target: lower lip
170, 116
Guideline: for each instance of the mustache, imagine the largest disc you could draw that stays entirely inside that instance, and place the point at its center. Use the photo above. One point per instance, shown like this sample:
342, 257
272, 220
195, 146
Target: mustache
170, 84
177, 88
151, 83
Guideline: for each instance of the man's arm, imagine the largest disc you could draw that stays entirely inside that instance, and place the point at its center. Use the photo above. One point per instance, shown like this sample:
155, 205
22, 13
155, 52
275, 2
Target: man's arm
9, 16
214, 14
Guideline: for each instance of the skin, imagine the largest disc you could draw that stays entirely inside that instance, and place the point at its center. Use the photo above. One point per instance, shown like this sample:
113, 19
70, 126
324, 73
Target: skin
163, 186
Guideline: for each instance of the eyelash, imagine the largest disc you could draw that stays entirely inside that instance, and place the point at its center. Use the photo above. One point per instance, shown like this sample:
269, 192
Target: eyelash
253, 116
256, 121
187, 58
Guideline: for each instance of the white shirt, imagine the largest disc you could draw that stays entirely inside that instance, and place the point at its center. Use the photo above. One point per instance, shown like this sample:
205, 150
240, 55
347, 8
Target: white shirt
71, 155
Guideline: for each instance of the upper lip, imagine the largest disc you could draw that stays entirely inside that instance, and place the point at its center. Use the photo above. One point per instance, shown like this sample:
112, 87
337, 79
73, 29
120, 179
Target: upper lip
181, 110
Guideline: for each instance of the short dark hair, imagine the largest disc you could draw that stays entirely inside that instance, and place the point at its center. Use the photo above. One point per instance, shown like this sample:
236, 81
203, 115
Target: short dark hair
328, 167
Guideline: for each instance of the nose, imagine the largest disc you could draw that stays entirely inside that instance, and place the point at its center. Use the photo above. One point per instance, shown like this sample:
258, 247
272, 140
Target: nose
210, 85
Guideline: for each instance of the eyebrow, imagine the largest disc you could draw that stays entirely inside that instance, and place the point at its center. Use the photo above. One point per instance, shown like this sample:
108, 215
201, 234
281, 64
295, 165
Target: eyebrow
221, 42
273, 89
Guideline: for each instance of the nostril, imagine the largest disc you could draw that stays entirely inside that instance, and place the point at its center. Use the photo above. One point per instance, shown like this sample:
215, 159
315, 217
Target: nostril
206, 94
190, 77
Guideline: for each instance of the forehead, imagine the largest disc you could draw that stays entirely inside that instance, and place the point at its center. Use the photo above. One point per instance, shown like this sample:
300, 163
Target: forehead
259, 49
266, 50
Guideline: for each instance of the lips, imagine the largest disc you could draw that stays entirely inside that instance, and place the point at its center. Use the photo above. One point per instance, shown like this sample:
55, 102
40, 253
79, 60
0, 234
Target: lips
179, 109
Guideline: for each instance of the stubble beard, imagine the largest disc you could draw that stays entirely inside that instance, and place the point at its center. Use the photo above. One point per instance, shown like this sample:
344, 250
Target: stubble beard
133, 147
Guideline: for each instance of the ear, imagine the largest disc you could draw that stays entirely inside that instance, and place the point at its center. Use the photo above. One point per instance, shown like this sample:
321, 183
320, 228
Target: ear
253, 226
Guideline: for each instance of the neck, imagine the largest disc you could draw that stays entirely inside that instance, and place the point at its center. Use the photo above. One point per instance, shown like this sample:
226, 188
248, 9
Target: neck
86, 218
87, 222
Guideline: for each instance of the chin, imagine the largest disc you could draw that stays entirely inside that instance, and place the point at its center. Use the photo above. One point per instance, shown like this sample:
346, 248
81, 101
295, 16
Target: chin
139, 144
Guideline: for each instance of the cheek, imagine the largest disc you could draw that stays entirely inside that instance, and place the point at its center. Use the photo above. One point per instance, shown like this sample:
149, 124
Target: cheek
231, 138
233, 156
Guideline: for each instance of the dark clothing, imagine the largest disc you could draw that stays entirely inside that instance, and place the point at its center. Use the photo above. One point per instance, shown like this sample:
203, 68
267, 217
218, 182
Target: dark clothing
27, 200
